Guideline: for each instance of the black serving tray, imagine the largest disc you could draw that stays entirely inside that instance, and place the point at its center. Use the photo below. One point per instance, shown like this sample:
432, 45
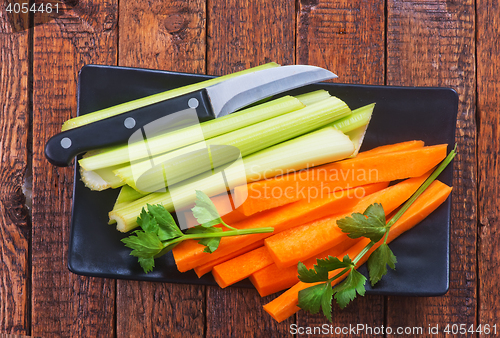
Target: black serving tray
401, 114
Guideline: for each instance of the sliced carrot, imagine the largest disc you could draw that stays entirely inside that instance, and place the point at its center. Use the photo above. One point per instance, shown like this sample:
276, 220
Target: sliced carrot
190, 254
241, 267
285, 305
291, 246
207, 267
390, 148
361, 170
272, 279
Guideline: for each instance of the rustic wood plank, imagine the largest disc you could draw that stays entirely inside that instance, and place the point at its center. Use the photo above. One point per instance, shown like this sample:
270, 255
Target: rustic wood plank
64, 304
431, 43
15, 232
488, 89
166, 35
346, 37
243, 34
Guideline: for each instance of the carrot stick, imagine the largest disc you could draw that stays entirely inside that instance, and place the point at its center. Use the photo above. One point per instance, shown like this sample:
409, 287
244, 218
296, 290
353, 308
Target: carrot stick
207, 267
291, 246
361, 170
390, 148
190, 254
272, 279
285, 305
241, 267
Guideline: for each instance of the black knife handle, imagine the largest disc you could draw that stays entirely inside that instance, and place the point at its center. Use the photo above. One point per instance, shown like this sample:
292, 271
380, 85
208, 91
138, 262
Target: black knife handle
63, 147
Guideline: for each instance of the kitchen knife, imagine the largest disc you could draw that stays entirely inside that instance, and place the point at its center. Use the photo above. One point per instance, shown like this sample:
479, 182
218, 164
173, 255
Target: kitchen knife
209, 103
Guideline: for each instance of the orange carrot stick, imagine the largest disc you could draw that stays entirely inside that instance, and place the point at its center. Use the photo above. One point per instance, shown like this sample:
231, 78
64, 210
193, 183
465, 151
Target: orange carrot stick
207, 267
285, 305
291, 246
190, 254
241, 267
361, 170
391, 148
272, 279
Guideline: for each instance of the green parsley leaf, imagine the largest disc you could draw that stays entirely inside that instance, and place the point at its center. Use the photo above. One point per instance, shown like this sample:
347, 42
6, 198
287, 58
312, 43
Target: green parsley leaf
167, 229
310, 298
147, 264
333, 263
326, 301
204, 211
370, 224
143, 244
211, 243
346, 291
311, 275
378, 261
147, 223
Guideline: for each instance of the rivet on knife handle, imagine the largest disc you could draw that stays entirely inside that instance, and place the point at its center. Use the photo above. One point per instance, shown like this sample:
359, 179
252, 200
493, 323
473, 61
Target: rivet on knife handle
63, 147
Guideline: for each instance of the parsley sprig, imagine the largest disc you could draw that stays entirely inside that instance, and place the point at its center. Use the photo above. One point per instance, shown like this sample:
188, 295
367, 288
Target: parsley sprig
371, 224
159, 234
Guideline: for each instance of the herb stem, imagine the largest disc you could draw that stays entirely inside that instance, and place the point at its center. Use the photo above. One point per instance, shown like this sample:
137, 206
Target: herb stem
237, 232
330, 280
363, 252
227, 225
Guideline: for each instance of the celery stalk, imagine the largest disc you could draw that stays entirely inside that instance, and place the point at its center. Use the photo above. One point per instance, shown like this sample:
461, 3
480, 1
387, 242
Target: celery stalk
146, 101
192, 134
101, 179
357, 119
127, 194
316, 148
188, 162
313, 97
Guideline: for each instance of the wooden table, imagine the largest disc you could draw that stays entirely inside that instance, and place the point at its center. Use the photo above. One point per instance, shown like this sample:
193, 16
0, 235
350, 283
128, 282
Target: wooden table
423, 43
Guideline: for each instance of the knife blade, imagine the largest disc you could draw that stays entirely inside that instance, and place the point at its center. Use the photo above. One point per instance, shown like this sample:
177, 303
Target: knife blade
209, 103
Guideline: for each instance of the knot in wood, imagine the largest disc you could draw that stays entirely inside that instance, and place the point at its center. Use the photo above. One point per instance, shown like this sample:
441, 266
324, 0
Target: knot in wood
175, 23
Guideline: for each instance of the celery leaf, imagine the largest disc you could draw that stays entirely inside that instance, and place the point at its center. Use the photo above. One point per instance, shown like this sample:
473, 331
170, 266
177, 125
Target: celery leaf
346, 291
167, 229
143, 244
204, 211
378, 261
370, 224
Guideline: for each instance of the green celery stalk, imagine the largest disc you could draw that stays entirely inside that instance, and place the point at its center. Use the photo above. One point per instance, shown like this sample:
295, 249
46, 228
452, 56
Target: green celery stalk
358, 135
183, 137
312, 149
359, 117
313, 97
101, 179
146, 101
127, 194
188, 162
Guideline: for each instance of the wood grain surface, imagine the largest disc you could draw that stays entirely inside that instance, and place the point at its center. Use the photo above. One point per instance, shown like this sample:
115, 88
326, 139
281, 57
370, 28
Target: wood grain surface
432, 44
488, 103
346, 37
238, 44
15, 231
169, 35
425, 43
64, 304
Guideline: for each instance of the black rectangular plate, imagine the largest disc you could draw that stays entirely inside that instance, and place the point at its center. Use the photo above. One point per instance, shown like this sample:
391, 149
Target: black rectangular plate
401, 114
